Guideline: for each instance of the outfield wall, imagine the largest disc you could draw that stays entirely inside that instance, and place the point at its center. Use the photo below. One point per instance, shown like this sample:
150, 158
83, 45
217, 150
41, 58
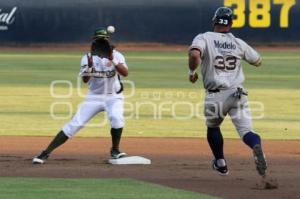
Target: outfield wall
166, 21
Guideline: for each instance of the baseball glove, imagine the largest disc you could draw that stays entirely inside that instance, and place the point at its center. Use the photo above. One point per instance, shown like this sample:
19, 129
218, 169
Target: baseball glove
102, 48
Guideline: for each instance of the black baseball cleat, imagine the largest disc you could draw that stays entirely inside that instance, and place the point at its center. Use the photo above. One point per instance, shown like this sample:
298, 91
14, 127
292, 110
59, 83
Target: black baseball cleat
41, 158
116, 154
260, 161
223, 171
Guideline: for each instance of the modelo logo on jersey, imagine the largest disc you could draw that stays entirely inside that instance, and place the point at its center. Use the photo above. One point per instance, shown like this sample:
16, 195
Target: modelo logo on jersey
7, 18
224, 45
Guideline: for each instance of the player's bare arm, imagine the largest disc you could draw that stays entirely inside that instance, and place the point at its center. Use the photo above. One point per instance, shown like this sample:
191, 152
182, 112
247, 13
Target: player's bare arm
251, 55
258, 62
88, 70
194, 61
122, 69
87, 76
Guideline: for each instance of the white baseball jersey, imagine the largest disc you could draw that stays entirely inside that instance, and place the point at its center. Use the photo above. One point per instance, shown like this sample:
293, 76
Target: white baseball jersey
105, 82
105, 79
221, 55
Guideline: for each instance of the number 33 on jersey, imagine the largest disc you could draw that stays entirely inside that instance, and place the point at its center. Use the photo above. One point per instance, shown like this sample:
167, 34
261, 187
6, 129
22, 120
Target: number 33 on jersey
221, 59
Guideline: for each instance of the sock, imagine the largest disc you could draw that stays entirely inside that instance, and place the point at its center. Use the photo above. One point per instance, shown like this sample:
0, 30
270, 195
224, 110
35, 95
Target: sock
215, 140
59, 139
251, 139
116, 137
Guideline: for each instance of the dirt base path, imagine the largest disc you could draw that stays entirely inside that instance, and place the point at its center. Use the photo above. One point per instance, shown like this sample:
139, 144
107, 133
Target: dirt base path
176, 162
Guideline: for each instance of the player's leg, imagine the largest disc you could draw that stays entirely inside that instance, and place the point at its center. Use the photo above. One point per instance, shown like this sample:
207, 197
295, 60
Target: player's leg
216, 142
214, 117
86, 111
241, 118
58, 140
115, 111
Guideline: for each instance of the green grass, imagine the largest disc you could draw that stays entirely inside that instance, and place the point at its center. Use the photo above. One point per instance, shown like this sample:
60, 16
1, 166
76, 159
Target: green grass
35, 188
160, 79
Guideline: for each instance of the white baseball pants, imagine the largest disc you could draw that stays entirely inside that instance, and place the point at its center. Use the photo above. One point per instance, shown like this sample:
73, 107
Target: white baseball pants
91, 107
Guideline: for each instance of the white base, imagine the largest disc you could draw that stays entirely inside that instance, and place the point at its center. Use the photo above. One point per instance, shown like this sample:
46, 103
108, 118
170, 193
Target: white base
130, 160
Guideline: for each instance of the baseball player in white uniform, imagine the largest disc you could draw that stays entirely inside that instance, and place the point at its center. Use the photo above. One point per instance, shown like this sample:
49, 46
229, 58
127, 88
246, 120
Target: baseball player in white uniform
220, 53
105, 94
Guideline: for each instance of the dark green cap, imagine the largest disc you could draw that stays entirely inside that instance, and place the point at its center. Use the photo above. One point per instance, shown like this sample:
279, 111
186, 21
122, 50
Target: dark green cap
101, 33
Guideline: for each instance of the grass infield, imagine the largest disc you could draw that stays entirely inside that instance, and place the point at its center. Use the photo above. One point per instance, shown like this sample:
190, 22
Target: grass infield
160, 80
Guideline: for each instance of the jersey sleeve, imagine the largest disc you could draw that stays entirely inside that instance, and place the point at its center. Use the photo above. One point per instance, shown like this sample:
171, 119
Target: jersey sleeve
250, 55
120, 58
199, 43
83, 64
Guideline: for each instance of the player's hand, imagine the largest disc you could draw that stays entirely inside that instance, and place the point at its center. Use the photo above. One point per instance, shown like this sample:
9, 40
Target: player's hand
88, 69
193, 78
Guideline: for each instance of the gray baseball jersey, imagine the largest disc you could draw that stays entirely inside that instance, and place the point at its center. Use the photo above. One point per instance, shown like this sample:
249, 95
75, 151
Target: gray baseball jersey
221, 55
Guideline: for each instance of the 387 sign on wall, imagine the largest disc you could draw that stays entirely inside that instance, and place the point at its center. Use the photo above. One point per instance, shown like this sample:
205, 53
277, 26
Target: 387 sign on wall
258, 13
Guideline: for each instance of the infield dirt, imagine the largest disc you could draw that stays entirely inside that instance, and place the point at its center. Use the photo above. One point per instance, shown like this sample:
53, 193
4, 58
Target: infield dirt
182, 163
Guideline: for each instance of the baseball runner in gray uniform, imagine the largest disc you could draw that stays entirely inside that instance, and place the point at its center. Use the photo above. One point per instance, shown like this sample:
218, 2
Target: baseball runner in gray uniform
220, 53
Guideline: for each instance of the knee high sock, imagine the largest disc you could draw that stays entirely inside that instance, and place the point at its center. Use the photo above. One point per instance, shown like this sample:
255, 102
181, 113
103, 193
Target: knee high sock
116, 137
251, 139
215, 140
59, 139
